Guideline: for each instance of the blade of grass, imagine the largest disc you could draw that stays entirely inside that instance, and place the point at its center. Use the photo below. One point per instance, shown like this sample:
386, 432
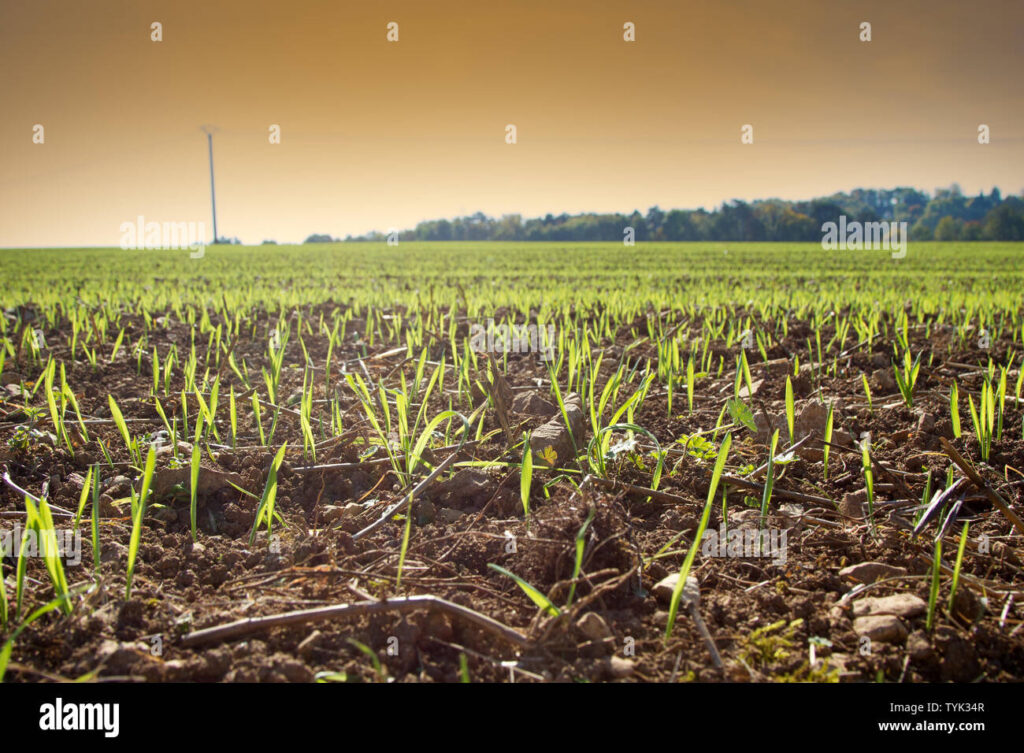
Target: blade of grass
137, 516
684, 571
536, 596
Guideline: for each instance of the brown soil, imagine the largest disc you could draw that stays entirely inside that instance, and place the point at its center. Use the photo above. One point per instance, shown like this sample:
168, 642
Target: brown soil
312, 560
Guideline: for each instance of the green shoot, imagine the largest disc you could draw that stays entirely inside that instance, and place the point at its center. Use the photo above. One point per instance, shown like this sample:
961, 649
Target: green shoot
790, 410
536, 596
138, 513
933, 594
684, 571
580, 546
265, 511
959, 563
526, 478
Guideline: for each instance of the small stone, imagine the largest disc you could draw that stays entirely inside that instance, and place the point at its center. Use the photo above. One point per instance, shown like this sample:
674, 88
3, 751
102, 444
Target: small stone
900, 605
470, 482
852, 506
884, 628
448, 515
755, 384
901, 436
532, 404
118, 486
593, 626
74, 481
211, 480
869, 572
552, 444
184, 450
749, 519
664, 588
620, 668
331, 513
112, 551
926, 423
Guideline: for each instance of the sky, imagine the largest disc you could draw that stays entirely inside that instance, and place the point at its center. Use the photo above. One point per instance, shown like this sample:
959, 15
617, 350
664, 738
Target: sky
376, 134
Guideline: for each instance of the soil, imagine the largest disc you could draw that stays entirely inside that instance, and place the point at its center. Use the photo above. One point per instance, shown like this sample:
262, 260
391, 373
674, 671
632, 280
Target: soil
761, 614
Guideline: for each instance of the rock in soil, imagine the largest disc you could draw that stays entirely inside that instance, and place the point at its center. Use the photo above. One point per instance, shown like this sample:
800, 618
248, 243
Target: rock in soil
620, 668
663, 589
883, 628
551, 443
900, 605
755, 384
210, 480
593, 627
869, 572
852, 506
532, 404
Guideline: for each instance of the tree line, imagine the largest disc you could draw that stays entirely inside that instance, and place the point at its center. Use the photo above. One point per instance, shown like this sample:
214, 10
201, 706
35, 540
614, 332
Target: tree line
949, 215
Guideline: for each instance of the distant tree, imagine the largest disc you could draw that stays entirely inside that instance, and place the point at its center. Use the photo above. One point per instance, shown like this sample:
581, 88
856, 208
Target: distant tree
921, 232
1005, 223
677, 226
972, 231
824, 211
316, 238
655, 218
948, 229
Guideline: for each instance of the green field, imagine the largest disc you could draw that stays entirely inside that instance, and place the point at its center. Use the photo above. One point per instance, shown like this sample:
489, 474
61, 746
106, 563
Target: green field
933, 276
302, 425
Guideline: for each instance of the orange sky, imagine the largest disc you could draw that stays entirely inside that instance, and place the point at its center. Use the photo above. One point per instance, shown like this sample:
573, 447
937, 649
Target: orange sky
378, 134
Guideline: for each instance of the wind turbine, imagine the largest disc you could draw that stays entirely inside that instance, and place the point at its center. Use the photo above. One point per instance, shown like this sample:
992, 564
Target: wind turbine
209, 130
